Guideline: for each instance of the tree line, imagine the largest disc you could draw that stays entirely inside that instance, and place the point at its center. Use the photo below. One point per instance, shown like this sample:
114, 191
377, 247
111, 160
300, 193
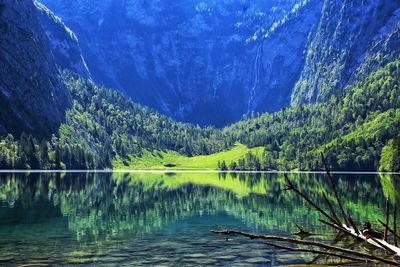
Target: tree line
357, 130
351, 129
101, 125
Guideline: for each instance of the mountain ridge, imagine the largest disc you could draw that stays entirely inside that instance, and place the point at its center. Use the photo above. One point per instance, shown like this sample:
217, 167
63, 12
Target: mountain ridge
32, 96
193, 59
351, 36
103, 125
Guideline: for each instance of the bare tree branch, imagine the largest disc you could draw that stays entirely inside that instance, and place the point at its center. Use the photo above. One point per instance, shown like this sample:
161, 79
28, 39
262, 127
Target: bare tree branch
308, 243
328, 172
313, 251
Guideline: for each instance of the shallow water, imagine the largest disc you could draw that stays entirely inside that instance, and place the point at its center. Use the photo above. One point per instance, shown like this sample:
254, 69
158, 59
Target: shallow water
125, 219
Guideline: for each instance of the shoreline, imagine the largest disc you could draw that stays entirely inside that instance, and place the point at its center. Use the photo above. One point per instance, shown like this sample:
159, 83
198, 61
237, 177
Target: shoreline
192, 171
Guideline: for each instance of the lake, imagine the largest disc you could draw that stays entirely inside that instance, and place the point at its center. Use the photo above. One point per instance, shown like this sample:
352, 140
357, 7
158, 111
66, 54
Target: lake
164, 219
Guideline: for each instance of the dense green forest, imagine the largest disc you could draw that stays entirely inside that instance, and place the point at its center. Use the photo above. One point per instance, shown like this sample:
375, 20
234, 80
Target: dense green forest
101, 125
350, 129
358, 130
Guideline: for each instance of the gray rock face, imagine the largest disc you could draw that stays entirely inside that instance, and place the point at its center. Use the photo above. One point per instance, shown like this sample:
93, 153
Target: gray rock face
201, 61
353, 39
283, 57
32, 97
63, 42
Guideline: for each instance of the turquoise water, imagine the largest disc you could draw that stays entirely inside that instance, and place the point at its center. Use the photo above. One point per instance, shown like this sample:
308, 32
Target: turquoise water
126, 219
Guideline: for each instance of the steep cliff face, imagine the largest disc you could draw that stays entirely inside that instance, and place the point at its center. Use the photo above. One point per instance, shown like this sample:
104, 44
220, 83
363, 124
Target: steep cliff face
282, 57
353, 39
32, 97
63, 42
206, 62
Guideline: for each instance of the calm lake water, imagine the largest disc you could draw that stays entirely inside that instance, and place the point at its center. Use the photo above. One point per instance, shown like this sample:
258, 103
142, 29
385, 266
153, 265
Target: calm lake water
125, 219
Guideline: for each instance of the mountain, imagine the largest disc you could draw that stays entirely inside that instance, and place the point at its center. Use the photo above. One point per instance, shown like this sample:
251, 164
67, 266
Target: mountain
194, 59
32, 96
103, 125
351, 72
355, 130
63, 42
353, 39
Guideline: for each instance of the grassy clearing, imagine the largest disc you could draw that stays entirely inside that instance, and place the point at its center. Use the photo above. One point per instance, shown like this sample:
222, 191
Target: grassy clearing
171, 181
171, 160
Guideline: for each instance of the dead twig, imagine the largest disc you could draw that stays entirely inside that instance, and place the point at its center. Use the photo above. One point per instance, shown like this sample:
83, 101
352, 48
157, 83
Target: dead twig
290, 186
387, 219
302, 233
328, 172
332, 209
394, 223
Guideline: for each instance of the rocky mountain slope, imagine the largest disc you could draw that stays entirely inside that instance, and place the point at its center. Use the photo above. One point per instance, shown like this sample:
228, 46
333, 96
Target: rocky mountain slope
353, 39
63, 42
195, 59
32, 97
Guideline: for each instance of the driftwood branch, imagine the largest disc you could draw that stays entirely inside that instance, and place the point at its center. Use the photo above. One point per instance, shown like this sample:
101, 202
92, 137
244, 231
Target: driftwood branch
343, 230
348, 228
387, 219
394, 223
383, 244
290, 186
353, 225
328, 172
332, 209
319, 252
302, 233
376, 242
390, 229
307, 243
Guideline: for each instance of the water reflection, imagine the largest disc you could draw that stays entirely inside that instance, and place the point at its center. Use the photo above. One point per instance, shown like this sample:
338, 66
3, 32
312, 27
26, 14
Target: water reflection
88, 211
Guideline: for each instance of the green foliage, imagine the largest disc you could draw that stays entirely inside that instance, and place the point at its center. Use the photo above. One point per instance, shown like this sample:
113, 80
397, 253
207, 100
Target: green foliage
249, 162
103, 125
351, 129
111, 126
29, 153
103, 129
171, 160
390, 157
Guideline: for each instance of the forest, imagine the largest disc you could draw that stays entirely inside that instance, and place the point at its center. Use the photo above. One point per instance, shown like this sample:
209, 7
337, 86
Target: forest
358, 130
352, 130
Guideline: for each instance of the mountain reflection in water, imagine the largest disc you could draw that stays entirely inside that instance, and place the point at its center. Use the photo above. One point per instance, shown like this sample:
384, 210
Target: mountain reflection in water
158, 218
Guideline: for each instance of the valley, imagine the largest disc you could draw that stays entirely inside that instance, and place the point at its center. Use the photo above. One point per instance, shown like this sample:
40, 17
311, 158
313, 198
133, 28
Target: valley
207, 108
157, 133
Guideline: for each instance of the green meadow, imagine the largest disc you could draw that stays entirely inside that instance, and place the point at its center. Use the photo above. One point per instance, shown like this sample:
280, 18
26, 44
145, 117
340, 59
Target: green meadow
171, 160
